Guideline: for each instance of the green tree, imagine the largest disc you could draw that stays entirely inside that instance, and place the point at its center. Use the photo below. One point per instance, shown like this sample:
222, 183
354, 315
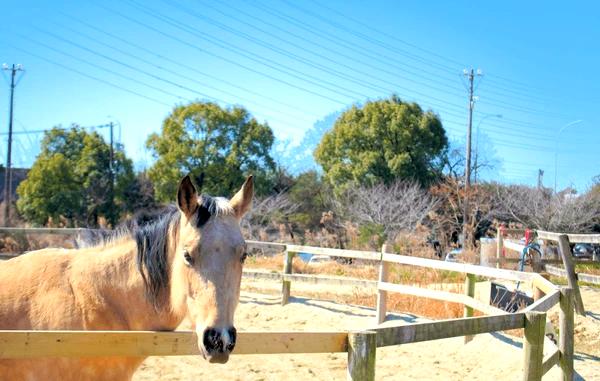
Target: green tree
224, 143
382, 141
311, 195
71, 178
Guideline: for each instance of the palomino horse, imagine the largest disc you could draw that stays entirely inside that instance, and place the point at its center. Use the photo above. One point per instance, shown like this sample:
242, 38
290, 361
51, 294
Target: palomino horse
186, 263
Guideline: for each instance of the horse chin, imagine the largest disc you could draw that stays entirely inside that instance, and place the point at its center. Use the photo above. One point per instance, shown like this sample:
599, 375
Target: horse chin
219, 358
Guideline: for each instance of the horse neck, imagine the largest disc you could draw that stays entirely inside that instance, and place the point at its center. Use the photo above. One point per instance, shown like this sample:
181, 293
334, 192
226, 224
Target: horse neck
119, 287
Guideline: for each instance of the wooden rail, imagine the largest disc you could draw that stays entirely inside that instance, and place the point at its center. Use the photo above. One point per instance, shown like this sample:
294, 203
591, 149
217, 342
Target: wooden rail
413, 333
27, 344
573, 238
54, 231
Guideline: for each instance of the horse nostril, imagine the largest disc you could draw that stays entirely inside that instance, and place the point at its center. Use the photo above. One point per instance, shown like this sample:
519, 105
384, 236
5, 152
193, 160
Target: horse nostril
232, 333
212, 340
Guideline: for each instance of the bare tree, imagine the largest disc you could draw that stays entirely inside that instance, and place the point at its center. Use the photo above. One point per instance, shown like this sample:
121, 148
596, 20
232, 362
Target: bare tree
269, 211
546, 210
398, 207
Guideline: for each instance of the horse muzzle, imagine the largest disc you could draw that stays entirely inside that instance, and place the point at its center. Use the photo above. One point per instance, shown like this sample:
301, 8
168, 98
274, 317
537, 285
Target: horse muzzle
218, 343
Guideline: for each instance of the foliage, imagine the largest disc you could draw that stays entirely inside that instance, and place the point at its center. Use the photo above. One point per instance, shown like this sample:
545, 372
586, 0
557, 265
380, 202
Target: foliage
311, 195
223, 143
71, 179
382, 141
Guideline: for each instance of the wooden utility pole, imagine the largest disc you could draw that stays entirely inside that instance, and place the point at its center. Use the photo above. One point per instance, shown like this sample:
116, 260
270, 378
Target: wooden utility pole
8, 170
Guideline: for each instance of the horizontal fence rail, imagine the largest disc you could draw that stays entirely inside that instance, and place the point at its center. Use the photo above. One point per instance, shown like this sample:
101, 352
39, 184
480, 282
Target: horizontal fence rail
413, 333
27, 344
54, 231
573, 238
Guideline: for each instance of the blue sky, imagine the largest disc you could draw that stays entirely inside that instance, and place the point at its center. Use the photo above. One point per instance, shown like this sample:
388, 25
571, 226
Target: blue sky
292, 63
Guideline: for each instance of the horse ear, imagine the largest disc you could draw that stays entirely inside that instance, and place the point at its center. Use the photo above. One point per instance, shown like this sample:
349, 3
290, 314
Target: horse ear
187, 197
242, 201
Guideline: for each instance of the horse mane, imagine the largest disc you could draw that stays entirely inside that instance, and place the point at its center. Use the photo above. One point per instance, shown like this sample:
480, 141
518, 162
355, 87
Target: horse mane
150, 231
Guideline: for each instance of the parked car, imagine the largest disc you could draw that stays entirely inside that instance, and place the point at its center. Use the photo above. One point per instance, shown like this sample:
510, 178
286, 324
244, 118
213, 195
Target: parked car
318, 259
583, 250
453, 255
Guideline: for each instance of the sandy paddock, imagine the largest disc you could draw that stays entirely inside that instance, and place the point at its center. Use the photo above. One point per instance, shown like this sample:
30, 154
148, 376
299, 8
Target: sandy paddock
488, 357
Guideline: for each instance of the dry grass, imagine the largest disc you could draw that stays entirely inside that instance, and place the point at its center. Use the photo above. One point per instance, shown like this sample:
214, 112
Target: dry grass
432, 309
422, 277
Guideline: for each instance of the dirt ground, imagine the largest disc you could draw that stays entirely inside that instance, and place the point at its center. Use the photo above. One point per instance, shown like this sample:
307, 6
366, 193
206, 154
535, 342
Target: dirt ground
488, 357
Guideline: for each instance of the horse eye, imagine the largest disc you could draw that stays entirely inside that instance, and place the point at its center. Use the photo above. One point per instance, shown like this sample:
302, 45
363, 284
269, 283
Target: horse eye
244, 256
188, 258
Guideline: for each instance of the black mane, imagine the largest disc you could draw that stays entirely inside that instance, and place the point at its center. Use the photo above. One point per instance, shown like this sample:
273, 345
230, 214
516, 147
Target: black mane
150, 230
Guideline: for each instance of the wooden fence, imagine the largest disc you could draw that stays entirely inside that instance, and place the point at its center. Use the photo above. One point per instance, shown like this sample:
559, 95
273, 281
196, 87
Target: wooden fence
360, 346
564, 244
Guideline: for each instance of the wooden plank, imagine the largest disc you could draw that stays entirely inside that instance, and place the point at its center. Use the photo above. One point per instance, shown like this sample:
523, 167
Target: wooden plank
574, 238
436, 330
29, 344
550, 361
470, 292
595, 279
544, 304
444, 296
566, 323
54, 231
544, 284
514, 246
362, 348
371, 255
311, 278
533, 346
286, 284
499, 248
382, 294
265, 245
330, 280
459, 267
567, 257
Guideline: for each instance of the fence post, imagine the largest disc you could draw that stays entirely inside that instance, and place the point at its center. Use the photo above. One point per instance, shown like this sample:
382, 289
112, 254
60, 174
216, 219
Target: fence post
362, 347
381, 294
567, 257
565, 340
533, 345
499, 246
469, 291
288, 256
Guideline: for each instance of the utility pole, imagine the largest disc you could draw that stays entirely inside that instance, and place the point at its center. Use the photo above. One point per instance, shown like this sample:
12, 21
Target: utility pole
8, 171
111, 166
466, 211
540, 179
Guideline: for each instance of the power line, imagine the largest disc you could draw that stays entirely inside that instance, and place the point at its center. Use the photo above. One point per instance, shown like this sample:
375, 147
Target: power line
347, 30
203, 50
179, 63
172, 72
65, 67
395, 38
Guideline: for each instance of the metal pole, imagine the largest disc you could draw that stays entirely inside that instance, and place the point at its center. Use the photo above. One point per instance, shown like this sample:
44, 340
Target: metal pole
466, 211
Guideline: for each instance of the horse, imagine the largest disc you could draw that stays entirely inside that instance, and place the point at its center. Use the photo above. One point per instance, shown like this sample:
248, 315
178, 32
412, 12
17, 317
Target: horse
185, 263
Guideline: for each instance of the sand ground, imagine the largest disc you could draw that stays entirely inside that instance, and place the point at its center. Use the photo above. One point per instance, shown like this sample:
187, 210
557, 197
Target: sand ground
488, 357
